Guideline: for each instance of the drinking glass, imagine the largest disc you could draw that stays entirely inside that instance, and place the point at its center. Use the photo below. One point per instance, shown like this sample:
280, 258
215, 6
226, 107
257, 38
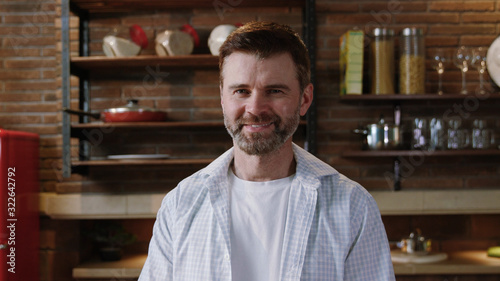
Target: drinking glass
463, 60
482, 136
439, 59
479, 63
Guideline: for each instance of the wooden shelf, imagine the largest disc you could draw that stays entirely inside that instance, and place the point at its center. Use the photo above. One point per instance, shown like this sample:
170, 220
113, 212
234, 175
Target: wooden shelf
150, 125
100, 206
159, 162
438, 202
398, 97
117, 6
103, 63
130, 206
397, 153
147, 125
464, 262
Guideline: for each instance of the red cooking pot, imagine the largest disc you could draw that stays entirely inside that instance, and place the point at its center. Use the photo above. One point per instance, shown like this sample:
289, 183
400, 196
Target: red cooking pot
132, 112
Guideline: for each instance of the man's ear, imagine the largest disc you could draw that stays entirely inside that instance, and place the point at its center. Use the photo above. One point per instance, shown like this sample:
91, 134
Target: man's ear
307, 98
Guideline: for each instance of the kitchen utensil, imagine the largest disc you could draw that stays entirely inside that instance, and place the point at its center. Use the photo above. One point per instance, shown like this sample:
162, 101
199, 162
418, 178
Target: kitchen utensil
420, 134
218, 36
119, 47
412, 61
400, 257
132, 112
437, 137
124, 42
438, 62
380, 136
479, 63
415, 244
493, 61
463, 60
458, 138
482, 136
174, 43
137, 156
382, 61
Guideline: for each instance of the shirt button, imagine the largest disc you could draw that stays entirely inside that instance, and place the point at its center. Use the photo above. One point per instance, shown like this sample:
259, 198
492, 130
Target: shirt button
226, 257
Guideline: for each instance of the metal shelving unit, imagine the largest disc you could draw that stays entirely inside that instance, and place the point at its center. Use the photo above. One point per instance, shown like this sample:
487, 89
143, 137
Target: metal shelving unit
83, 64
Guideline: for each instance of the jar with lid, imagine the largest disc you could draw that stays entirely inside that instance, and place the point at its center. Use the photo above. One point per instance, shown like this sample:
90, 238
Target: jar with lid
382, 61
412, 61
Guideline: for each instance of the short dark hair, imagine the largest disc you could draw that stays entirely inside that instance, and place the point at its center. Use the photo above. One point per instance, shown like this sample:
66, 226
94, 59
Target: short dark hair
266, 39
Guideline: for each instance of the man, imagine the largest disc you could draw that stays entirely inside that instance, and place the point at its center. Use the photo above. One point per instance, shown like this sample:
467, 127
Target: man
267, 209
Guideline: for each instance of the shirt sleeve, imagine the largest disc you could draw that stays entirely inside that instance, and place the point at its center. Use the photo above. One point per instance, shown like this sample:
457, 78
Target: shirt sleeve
158, 264
369, 257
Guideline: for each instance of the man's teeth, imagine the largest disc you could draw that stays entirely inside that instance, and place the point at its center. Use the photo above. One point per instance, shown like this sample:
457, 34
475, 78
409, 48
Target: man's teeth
262, 125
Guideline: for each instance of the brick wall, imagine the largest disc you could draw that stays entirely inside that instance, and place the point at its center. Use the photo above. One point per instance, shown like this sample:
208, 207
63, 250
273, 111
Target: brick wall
30, 100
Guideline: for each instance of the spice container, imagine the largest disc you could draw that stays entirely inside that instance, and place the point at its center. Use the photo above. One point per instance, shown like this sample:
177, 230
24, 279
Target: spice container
412, 61
382, 61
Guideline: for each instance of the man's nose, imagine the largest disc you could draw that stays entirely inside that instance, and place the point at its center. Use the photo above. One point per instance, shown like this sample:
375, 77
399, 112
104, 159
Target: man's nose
257, 104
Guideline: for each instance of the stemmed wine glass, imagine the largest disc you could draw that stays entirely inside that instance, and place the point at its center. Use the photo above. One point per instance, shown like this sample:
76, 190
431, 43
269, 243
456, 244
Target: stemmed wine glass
439, 60
463, 60
479, 63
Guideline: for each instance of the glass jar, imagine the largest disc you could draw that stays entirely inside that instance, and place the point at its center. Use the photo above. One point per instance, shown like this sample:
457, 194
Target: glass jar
412, 61
382, 61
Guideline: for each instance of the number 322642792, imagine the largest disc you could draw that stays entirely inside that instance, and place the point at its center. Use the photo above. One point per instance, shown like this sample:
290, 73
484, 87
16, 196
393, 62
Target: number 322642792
11, 191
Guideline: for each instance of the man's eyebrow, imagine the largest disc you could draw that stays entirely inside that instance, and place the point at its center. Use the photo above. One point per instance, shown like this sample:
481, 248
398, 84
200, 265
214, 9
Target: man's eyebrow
278, 86
238, 86
270, 86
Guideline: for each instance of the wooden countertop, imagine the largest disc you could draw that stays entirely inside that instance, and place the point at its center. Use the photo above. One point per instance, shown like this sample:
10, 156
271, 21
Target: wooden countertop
466, 262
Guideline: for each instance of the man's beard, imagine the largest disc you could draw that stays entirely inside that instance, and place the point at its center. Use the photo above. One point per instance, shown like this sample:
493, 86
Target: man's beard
259, 143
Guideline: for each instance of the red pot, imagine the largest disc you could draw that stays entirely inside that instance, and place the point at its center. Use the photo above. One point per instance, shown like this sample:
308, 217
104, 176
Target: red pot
132, 112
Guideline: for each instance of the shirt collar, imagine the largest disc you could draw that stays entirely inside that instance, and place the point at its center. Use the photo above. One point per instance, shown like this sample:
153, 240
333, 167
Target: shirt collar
309, 168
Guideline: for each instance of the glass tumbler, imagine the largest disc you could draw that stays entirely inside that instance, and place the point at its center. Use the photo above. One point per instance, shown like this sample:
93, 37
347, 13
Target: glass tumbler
482, 136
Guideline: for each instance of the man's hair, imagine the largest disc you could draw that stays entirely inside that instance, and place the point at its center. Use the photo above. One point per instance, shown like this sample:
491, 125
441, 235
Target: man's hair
266, 39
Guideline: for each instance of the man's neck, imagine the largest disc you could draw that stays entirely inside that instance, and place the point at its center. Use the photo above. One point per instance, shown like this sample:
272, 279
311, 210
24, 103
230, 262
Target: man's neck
276, 165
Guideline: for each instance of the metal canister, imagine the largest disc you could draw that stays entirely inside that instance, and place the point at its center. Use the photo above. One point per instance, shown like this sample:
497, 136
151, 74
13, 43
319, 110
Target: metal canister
382, 61
412, 61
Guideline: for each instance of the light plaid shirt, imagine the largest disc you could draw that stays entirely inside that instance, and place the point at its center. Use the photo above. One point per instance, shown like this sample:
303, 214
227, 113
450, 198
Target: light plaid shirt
333, 228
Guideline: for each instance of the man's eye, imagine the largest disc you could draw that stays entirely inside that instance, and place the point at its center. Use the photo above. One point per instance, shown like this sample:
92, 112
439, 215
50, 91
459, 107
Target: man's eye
274, 91
241, 92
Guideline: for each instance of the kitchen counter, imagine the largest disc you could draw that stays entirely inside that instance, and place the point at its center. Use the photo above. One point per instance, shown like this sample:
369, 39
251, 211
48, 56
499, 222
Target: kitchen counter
466, 262
117, 206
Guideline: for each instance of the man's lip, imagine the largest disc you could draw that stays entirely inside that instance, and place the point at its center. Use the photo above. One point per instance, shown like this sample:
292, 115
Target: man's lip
260, 125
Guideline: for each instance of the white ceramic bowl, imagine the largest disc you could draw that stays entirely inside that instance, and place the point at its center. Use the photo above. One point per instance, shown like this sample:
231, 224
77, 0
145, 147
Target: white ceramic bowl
218, 36
173, 43
118, 47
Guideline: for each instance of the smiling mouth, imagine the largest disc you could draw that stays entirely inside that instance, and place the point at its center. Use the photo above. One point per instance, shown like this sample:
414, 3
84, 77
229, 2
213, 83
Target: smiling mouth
260, 125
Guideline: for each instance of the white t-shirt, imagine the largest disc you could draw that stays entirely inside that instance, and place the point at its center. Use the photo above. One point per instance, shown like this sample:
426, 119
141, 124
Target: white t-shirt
258, 217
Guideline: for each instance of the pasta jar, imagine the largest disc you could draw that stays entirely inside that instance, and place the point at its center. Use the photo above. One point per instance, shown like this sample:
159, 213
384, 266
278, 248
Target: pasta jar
382, 61
412, 61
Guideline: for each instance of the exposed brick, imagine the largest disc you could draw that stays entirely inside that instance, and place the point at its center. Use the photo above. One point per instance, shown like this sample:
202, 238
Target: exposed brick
454, 6
480, 17
427, 18
24, 97
31, 63
325, 7
20, 74
353, 19
478, 29
23, 86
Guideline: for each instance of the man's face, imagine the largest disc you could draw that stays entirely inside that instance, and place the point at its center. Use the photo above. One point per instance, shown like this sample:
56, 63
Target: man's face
261, 101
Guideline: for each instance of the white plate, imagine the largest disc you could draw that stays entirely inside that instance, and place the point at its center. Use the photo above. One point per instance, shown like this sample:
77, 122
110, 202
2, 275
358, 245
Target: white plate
493, 61
138, 156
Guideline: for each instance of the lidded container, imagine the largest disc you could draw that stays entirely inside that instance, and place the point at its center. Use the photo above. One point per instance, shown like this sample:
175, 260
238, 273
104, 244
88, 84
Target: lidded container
412, 61
382, 61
